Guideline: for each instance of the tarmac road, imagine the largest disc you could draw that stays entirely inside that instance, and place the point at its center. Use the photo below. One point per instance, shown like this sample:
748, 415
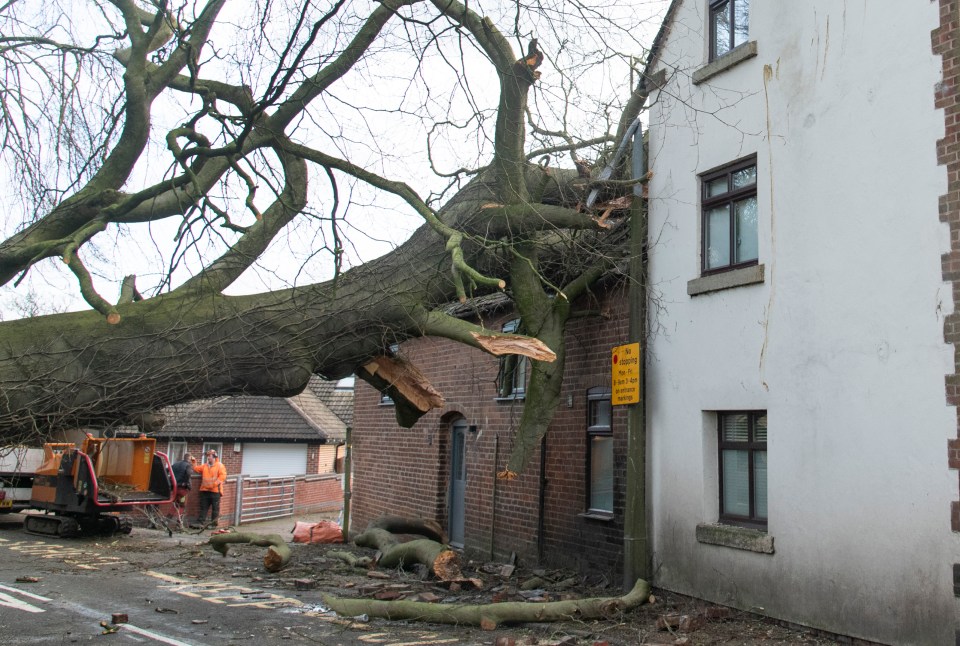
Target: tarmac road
81, 583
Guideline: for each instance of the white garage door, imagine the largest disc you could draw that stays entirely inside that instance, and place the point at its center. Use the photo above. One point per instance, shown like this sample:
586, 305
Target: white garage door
274, 459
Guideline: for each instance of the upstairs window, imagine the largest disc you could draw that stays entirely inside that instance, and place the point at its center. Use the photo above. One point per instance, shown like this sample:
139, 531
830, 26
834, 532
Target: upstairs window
600, 451
512, 378
743, 468
729, 25
729, 197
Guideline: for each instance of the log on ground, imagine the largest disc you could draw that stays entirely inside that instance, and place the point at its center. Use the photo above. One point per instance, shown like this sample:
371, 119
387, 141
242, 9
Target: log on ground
489, 616
278, 552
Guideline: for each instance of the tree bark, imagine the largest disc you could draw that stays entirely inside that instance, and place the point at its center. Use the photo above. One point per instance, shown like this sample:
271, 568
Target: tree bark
489, 616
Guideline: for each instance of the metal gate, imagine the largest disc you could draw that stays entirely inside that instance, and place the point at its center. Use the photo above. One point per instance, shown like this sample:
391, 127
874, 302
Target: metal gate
264, 498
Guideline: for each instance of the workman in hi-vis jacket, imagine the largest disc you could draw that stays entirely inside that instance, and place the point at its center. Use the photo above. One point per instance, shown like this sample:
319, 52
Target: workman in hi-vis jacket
212, 476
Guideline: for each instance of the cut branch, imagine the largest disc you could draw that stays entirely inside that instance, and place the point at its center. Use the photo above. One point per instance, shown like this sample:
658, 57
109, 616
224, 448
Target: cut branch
490, 616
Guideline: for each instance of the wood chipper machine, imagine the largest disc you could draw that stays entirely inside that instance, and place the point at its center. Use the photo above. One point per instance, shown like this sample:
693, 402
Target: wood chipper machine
84, 490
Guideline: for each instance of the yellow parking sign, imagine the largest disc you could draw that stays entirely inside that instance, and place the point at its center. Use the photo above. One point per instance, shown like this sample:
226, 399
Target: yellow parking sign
625, 371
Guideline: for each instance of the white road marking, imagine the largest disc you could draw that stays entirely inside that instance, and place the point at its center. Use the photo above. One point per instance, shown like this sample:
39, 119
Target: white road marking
17, 604
24, 593
154, 636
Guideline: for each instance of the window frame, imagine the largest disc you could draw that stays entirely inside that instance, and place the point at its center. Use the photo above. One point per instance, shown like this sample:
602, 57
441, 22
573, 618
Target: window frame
594, 395
516, 366
729, 198
752, 447
216, 446
714, 9
176, 450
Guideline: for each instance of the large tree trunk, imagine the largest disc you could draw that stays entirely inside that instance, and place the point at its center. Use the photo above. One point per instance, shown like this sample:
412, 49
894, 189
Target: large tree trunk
71, 370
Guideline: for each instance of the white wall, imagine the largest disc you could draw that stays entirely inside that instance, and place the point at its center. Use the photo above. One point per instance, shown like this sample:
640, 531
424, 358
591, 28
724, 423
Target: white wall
842, 344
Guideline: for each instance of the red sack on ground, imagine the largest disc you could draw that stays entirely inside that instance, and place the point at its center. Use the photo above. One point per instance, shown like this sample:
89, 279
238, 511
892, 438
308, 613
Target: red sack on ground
326, 531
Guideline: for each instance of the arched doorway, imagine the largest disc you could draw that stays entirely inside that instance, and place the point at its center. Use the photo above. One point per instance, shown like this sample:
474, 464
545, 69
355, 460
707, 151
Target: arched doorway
458, 481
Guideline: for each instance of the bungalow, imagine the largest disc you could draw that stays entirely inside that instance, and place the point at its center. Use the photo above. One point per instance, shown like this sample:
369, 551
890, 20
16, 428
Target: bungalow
270, 446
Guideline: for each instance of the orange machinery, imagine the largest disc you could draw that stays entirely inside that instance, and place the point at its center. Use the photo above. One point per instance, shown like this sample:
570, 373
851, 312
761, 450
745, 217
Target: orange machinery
83, 490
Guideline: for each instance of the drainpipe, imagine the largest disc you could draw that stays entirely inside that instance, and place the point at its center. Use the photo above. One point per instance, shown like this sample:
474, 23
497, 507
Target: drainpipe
493, 502
541, 539
347, 467
636, 556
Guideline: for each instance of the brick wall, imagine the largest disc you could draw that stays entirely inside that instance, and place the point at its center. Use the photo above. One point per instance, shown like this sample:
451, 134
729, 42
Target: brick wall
405, 471
946, 43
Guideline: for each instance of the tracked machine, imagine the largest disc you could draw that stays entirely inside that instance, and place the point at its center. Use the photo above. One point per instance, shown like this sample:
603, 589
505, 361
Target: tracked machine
85, 490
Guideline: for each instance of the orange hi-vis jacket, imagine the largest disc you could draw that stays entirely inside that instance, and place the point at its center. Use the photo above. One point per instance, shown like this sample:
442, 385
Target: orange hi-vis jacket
211, 477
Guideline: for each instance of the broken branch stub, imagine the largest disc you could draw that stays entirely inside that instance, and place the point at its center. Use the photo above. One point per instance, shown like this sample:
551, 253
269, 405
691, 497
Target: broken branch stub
526, 346
406, 378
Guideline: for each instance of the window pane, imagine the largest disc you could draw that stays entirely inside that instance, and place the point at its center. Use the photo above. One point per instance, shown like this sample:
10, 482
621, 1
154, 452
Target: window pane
736, 483
717, 187
760, 429
735, 428
600, 412
760, 483
601, 473
718, 237
746, 226
741, 21
744, 177
720, 19
520, 375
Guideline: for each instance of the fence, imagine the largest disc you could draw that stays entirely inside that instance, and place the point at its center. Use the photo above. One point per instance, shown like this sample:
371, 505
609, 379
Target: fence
248, 499
261, 498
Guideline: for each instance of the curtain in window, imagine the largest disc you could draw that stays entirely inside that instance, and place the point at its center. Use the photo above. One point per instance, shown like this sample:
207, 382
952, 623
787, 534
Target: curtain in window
601, 473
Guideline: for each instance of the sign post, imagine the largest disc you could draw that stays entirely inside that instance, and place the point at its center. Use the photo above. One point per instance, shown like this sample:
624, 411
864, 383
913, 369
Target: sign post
625, 374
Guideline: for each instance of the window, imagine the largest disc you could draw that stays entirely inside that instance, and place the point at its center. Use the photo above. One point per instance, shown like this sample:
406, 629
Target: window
512, 379
175, 451
729, 197
600, 450
213, 446
743, 468
385, 399
729, 25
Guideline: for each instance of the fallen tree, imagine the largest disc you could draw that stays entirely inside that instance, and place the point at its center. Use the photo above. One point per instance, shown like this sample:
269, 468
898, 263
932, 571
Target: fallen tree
489, 616
236, 178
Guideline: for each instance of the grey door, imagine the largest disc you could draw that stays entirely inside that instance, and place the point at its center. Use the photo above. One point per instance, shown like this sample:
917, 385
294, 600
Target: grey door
458, 481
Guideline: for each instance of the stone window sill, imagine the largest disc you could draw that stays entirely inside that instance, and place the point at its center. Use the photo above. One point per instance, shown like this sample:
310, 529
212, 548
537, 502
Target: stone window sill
734, 57
725, 280
739, 538
597, 515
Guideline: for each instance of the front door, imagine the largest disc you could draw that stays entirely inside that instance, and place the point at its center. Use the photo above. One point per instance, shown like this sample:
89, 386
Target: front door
458, 481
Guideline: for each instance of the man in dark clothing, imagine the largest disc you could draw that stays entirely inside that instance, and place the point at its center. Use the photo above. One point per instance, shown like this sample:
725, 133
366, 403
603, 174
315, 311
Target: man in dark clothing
182, 470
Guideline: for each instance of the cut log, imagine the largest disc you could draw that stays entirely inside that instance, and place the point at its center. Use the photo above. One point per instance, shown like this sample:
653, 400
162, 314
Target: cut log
399, 525
440, 560
278, 552
489, 616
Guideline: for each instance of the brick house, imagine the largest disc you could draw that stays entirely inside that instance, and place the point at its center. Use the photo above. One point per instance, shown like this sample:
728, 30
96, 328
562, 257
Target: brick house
547, 514
802, 367
282, 453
